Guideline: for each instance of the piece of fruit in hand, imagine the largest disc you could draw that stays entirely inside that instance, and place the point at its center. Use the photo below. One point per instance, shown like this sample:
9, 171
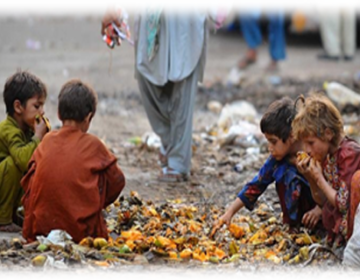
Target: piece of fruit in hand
301, 155
46, 120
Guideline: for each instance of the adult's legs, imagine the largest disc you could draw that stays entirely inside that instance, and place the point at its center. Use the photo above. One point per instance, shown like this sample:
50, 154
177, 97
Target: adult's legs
276, 36
179, 150
330, 33
348, 33
170, 111
156, 102
252, 34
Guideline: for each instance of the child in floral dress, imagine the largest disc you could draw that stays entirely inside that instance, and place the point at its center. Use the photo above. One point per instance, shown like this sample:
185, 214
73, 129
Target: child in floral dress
333, 168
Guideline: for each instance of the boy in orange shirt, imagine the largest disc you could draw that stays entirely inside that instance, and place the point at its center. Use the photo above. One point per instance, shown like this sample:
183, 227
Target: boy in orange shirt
72, 175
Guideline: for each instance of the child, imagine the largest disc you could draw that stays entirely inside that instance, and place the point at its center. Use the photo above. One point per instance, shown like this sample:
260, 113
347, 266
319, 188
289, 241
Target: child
293, 190
72, 175
20, 134
333, 165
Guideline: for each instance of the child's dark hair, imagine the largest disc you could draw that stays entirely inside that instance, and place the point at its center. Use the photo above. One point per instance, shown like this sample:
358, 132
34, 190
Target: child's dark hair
278, 118
76, 101
22, 86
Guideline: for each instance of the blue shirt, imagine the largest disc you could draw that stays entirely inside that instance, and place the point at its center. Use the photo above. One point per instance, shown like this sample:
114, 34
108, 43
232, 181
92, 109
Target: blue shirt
292, 188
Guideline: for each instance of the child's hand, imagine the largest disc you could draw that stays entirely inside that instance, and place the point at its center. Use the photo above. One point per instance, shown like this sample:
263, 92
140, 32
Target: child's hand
302, 165
312, 217
310, 168
40, 128
216, 226
315, 170
225, 219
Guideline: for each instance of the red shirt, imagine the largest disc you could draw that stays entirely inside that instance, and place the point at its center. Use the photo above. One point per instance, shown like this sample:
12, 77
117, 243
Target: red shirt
339, 170
72, 176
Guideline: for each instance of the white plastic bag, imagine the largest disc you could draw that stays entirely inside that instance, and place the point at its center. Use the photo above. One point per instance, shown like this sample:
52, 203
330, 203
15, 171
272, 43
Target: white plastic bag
236, 111
341, 95
56, 236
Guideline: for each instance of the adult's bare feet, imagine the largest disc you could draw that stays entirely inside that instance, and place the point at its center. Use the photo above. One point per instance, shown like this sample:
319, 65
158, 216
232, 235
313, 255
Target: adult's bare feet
250, 58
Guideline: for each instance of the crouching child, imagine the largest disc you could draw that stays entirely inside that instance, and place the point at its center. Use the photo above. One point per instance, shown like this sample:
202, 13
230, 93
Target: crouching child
20, 134
297, 204
72, 175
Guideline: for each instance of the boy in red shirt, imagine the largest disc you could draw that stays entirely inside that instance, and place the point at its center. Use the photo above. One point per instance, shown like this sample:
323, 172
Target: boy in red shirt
72, 175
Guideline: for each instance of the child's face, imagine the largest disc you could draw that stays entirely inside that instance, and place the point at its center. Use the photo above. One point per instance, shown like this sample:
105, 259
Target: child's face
277, 147
316, 147
33, 107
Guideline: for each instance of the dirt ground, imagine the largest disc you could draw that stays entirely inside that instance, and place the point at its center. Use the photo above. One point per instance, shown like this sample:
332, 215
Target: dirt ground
57, 49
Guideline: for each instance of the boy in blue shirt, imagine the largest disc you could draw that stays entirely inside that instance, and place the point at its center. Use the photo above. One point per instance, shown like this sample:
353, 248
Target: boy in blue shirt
296, 202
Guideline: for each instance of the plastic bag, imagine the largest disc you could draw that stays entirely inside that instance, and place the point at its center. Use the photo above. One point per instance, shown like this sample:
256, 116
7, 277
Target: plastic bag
56, 236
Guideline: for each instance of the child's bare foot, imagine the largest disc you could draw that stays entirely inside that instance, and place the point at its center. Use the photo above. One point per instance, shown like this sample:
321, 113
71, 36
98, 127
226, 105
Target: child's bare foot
10, 228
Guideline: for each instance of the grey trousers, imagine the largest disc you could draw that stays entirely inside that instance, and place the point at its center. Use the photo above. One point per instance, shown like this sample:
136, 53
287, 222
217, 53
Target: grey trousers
170, 112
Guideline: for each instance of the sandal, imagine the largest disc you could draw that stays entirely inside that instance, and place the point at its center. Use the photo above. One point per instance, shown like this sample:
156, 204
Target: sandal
169, 175
10, 228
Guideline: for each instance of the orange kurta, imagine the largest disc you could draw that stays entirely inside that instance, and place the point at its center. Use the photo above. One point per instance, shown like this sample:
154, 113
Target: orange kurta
72, 176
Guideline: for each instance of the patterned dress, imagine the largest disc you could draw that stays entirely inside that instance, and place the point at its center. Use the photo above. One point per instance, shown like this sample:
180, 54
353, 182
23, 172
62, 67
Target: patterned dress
292, 188
339, 171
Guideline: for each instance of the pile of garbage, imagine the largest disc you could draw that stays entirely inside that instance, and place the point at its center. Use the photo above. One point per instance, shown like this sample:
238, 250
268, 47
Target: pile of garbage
141, 232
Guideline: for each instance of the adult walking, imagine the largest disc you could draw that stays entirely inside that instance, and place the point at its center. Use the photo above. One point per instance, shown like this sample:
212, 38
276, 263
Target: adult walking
169, 62
249, 23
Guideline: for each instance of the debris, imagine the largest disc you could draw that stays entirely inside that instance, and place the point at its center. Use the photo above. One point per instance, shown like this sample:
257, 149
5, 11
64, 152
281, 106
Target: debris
214, 106
56, 237
356, 80
274, 80
39, 260
341, 95
234, 112
146, 232
235, 77
151, 141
